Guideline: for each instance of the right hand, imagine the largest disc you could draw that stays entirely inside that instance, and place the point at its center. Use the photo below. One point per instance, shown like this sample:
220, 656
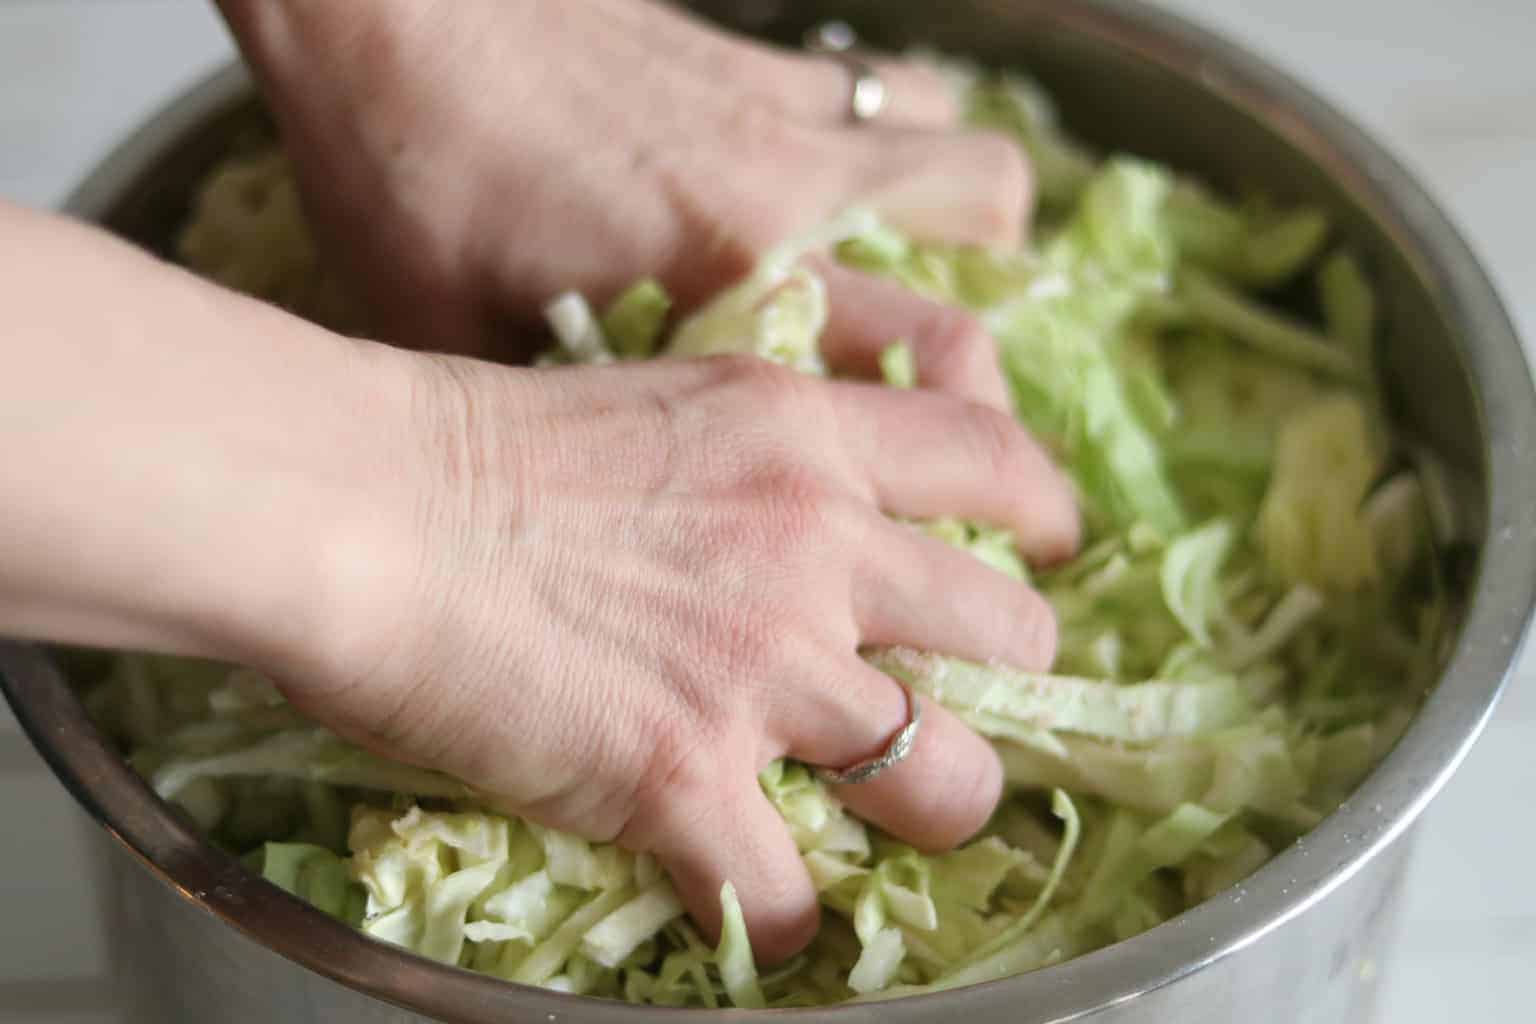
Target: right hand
470, 160
608, 597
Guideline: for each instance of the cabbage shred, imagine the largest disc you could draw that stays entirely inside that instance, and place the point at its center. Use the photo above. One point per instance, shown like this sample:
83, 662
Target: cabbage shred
1253, 620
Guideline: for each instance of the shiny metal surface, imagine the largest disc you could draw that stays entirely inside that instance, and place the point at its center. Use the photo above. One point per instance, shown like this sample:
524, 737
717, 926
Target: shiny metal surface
198, 939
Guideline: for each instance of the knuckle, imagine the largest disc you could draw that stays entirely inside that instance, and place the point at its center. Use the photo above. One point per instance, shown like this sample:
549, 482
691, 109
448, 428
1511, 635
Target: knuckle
974, 792
796, 918
758, 386
818, 685
1067, 526
749, 650
972, 785
1001, 446
779, 387
1004, 166
1050, 498
960, 797
806, 527
849, 523
774, 403
955, 347
932, 92
1043, 631
794, 496
777, 517
735, 368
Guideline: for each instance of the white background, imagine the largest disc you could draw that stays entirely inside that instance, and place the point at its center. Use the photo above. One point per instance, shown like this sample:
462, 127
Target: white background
1451, 86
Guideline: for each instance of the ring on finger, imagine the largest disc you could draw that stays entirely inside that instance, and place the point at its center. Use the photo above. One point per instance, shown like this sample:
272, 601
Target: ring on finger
895, 752
868, 95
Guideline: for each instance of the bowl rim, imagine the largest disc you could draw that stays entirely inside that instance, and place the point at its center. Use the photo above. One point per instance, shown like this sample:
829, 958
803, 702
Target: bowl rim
1379, 812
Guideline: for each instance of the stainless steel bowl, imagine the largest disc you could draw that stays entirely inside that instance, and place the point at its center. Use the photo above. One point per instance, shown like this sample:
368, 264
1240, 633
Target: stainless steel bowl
199, 939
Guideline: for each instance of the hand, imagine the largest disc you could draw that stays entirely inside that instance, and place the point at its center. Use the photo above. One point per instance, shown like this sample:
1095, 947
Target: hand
607, 597
470, 159
622, 592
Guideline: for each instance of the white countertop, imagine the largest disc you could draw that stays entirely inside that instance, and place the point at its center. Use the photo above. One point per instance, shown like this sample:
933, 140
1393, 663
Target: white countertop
1451, 86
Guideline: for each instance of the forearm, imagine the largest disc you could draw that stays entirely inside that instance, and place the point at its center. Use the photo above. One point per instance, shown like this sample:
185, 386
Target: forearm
181, 469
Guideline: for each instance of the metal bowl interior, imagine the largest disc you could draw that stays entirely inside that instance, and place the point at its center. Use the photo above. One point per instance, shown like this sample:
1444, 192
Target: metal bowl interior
1127, 78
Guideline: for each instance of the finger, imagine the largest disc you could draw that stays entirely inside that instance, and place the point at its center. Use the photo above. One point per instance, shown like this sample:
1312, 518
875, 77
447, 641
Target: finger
811, 85
740, 838
939, 795
917, 591
953, 353
916, 95
923, 454
968, 187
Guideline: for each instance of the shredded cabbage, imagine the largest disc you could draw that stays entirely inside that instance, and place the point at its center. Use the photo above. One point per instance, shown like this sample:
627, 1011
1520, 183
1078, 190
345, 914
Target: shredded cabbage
778, 312
1247, 631
1312, 525
633, 322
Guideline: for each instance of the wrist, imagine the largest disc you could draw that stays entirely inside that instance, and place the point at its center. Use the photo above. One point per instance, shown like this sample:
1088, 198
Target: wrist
402, 521
336, 530
182, 468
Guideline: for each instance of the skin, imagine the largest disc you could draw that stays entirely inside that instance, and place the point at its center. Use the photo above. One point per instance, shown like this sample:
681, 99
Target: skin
606, 597
469, 159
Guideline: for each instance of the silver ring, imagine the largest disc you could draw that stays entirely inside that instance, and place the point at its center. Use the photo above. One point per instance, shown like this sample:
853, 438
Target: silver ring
900, 746
836, 39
